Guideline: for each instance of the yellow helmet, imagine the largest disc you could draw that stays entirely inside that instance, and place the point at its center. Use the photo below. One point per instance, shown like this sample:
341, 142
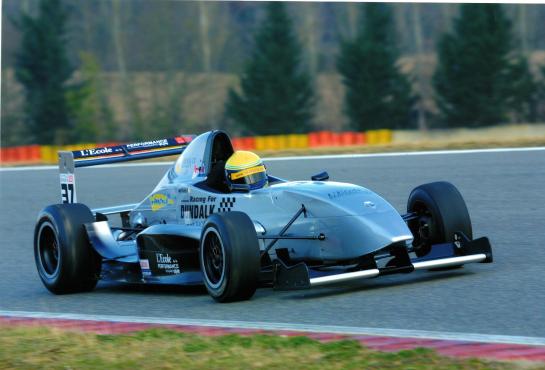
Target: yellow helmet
244, 167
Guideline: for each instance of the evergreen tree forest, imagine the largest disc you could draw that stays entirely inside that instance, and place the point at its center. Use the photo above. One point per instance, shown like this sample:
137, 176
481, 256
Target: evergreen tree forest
120, 70
479, 79
276, 94
43, 68
377, 94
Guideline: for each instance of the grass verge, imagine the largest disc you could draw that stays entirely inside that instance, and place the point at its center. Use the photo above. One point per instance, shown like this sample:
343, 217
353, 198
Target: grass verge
38, 348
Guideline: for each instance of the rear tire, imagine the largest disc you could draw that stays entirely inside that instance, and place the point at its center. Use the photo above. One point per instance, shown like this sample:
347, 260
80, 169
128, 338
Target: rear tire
65, 260
441, 212
229, 256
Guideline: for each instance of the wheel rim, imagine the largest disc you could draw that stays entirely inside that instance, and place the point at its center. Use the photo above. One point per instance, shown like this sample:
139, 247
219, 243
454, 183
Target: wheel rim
422, 228
213, 257
48, 250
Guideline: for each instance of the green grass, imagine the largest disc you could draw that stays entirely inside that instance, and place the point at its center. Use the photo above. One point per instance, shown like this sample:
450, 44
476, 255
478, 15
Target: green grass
45, 348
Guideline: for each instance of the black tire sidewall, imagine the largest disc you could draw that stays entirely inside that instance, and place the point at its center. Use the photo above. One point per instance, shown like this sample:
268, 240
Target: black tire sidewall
420, 195
447, 208
48, 279
79, 264
216, 291
241, 256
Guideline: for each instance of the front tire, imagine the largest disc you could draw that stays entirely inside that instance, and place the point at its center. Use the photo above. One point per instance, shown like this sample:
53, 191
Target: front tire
229, 256
64, 258
441, 212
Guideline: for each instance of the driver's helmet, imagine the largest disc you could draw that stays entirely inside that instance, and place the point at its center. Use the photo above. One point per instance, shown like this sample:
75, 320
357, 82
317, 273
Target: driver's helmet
244, 167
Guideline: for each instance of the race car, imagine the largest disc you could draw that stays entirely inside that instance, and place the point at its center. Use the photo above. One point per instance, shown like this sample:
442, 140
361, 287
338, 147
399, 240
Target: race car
218, 218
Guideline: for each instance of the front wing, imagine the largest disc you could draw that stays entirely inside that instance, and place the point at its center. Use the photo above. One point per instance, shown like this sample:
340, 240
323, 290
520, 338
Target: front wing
448, 255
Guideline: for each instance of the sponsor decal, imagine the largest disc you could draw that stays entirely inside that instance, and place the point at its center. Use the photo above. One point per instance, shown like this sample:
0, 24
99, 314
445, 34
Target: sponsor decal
247, 172
195, 209
147, 144
67, 178
144, 265
159, 201
186, 215
190, 166
194, 199
343, 193
198, 170
226, 204
189, 162
95, 152
166, 263
68, 193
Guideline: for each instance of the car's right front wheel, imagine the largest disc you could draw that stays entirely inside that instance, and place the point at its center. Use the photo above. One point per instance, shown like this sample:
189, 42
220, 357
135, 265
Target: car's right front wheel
65, 260
440, 212
229, 256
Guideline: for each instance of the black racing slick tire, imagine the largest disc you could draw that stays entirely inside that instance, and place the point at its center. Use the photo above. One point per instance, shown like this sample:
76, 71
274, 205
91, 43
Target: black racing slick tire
65, 260
229, 256
441, 212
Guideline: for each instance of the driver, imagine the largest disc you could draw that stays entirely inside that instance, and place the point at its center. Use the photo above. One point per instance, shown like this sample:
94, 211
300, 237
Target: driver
245, 168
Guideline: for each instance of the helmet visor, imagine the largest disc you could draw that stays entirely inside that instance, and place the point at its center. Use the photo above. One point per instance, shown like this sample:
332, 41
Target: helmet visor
254, 176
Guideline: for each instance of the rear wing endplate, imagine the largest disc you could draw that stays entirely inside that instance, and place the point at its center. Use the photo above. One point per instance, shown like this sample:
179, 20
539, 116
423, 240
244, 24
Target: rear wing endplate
70, 160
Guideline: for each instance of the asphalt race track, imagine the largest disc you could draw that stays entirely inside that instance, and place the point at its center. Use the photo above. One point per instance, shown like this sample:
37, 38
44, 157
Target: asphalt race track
505, 193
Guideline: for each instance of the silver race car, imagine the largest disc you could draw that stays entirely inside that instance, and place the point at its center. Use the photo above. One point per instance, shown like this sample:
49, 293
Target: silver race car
198, 227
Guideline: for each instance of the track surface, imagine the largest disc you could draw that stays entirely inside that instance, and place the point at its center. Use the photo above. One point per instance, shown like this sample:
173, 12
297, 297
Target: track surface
505, 193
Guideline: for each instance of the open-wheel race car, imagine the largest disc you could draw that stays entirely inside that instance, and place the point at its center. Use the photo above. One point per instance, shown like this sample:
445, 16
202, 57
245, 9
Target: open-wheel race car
203, 224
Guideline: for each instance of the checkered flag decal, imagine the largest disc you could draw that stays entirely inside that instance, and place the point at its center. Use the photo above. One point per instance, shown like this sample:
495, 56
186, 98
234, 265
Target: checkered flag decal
226, 204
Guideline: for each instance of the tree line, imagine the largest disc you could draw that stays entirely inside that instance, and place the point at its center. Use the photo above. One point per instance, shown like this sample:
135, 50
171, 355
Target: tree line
481, 77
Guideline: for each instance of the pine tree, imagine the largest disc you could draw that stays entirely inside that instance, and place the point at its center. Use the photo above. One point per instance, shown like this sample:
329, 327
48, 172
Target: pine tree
522, 95
276, 94
377, 94
540, 96
88, 105
479, 81
43, 68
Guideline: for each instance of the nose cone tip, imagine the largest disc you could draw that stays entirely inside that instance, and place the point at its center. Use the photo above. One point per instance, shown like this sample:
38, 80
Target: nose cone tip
384, 228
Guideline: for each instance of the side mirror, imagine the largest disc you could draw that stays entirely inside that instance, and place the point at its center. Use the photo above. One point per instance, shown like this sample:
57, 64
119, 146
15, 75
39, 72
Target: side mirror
322, 176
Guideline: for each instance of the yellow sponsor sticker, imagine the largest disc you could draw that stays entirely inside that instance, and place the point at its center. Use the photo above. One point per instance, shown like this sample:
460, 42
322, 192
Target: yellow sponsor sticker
159, 200
247, 172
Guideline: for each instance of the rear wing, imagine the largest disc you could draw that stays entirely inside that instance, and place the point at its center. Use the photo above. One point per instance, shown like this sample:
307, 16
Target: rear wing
69, 161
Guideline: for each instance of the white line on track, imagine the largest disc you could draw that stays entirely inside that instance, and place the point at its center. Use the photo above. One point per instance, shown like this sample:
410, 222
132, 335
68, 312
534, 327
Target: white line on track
273, 326
404, 154
308, 157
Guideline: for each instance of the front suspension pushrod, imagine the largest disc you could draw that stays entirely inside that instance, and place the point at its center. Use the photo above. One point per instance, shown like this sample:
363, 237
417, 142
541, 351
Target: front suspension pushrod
284, 229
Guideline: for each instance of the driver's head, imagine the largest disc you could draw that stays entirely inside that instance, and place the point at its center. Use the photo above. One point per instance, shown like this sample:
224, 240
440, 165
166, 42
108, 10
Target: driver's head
246, 168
